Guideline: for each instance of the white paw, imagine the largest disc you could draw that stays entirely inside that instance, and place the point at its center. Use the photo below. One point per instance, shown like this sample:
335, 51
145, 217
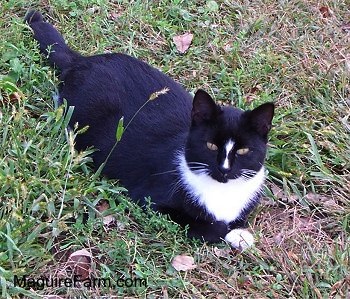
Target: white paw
240, 239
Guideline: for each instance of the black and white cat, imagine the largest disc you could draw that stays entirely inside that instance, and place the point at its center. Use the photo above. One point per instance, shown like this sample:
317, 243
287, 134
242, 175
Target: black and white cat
198, 162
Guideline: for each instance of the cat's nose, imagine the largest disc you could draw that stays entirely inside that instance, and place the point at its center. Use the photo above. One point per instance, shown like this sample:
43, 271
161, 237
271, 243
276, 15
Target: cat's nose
224, 170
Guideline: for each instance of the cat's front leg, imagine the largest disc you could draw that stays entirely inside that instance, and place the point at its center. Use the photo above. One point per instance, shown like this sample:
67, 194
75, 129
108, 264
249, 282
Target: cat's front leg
240, 238
207, 230
211, 232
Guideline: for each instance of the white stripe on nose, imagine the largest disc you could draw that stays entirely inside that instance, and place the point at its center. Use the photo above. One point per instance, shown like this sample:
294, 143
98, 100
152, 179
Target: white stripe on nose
228, 147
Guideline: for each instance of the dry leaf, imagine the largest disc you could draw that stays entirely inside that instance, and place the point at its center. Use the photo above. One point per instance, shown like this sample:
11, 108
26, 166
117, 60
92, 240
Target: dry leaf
183, 263
253, 93
250, 98
81, 252
277, 192
293, 256
222, 252
317, 198
165, 292
102, 206
15, 97
346, 27
93, 10
257, 88
228, 47
340, 288
107, 220
278, 239
323, 200
325, 11
80, 262
114, 16
246, 283
183, 42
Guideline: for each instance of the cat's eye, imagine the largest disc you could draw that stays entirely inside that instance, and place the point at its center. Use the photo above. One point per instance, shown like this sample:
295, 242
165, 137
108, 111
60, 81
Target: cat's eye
243, 151
212, 146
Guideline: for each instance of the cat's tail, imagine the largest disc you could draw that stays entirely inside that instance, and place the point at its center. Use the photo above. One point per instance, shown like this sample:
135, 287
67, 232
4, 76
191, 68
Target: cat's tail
51, 41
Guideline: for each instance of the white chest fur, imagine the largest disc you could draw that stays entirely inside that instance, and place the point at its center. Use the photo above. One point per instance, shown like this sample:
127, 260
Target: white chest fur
224, 201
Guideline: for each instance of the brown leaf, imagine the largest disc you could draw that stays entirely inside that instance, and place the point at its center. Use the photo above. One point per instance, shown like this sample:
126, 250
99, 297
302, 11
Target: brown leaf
114, 16
253, 93
15, 97
316, 198
278, 239
222, 252
165, 292
107, 220
277, 192
80, 262
183, 42
340, 288
346, 27
93, 10
281, 195
325, 11
293, 256
227, 47
256, 89
250, 98
322, 200
183, 263
245, 282
102, 206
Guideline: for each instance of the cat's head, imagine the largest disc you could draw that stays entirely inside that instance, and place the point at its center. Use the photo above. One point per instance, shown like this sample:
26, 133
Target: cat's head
225, 142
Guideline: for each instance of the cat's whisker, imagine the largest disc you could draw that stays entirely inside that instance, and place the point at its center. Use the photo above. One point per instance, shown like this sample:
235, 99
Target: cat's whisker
248, 171
197, 167
247, 174
191, 166
175, 186
165, 172
201, 171
198, 163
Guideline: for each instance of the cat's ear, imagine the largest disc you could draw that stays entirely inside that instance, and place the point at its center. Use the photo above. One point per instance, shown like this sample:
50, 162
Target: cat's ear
204, 108
261, 118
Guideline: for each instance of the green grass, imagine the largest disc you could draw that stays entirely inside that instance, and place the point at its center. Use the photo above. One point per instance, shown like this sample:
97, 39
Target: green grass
244, 53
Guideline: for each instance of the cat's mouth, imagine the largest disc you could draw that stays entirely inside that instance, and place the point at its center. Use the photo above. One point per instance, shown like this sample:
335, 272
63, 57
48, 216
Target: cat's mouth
222, 178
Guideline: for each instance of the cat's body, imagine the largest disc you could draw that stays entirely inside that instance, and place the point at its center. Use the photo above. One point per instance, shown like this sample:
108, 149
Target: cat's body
200, 163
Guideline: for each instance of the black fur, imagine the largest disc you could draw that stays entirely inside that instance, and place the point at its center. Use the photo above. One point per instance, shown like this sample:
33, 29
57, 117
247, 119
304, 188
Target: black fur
103, 88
